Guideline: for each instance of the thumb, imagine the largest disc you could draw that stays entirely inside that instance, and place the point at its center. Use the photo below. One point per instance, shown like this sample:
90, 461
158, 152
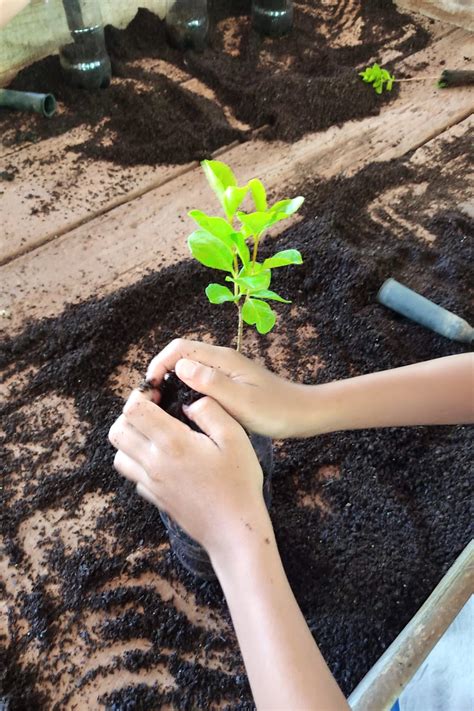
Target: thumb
213, 420
206, 380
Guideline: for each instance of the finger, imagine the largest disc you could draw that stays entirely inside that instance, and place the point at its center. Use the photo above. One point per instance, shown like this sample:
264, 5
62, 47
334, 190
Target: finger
147, 494
165, 361
152, 421
213, 420
129, 468
208, 381
129, 440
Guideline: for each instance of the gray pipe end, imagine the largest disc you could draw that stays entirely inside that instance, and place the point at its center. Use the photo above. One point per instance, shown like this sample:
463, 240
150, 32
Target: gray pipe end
49, 105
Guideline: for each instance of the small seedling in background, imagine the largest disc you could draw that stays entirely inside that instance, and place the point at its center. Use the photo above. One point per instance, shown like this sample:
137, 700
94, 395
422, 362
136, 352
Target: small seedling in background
382, 80
222, 244
379, 78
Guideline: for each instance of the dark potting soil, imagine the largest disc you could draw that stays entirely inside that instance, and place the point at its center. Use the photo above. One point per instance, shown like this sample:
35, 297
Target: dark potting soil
394, 507
173, 395
299, 83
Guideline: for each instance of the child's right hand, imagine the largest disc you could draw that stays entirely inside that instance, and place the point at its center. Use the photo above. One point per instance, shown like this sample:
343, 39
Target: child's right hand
261, 401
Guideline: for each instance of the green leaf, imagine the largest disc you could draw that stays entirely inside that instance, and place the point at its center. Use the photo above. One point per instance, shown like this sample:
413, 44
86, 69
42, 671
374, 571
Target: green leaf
242, 248
259, 194
216, 226
378, 77
219, 176
219, 294
255, 282
287, 207
258, 313
210, 251
232, 199
257, 222
282, 259
267, 294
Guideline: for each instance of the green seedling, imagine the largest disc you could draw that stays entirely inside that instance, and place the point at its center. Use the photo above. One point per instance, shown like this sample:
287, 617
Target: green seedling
231, 243
382, 80
379, 77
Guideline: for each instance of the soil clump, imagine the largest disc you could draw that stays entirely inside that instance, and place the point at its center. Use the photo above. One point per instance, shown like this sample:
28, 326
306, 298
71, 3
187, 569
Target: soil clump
396, 505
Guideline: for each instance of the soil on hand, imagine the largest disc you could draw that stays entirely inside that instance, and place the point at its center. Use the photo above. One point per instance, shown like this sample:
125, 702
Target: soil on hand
367, 522
287, 87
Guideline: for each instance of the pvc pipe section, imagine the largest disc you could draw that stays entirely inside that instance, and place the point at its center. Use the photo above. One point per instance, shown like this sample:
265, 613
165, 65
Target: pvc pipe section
44, 104
384, 683
417, 308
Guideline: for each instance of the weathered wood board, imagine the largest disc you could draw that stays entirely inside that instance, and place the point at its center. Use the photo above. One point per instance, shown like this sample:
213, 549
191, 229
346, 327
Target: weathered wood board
69, 191
150, 230
456, 12
92, 267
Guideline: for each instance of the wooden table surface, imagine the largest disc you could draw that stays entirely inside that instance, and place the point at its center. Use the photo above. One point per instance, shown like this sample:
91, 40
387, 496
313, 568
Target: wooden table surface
107, 226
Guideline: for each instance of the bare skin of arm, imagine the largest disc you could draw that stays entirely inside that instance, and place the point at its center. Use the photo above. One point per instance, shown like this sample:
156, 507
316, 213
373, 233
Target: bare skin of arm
285, 667
435, 392
211, 484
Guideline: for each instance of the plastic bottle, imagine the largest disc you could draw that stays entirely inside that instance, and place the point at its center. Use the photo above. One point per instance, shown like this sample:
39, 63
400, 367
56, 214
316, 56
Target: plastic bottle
187, 24
84, 60
272, 17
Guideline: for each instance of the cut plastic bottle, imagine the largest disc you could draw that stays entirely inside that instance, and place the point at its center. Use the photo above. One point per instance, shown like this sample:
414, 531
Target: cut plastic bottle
84, 60
187, 24
272, 17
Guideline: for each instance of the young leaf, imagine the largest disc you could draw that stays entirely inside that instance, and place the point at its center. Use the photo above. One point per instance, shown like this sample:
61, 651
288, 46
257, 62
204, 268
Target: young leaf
232, 199
258, 313
219, 176
267, 294
242, 248
216, 226
210, 251
287, 207
378, 77
282, 259
259, 194
257, 222
255, 282
218, 294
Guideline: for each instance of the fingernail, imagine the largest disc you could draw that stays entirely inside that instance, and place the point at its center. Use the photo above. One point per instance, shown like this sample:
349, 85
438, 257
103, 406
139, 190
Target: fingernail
186, 368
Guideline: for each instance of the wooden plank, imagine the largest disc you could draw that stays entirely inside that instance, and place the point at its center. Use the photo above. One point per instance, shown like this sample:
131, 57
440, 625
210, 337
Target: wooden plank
73, 190
384, 683
111, 254
118, 247
456, 12
56, 190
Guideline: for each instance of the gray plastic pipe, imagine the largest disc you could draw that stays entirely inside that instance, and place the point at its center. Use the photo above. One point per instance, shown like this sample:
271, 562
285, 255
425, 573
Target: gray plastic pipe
417, 308
44, 104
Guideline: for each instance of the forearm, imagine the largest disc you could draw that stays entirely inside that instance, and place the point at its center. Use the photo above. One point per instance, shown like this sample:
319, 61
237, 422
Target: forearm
284, 666
435, 392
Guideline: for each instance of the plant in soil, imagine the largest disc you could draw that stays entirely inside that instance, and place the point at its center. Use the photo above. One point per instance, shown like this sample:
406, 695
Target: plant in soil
231, 244
382, 80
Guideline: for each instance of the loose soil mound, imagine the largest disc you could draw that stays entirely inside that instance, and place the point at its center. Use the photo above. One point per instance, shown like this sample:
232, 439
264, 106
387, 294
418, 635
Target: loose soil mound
304, 82
367, 522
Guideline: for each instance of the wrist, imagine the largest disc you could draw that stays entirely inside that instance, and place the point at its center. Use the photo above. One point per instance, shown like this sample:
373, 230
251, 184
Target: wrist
316, 409
242, 539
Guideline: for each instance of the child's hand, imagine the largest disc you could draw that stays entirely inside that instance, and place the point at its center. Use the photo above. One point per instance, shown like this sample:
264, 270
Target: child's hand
261, 401
211, 483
